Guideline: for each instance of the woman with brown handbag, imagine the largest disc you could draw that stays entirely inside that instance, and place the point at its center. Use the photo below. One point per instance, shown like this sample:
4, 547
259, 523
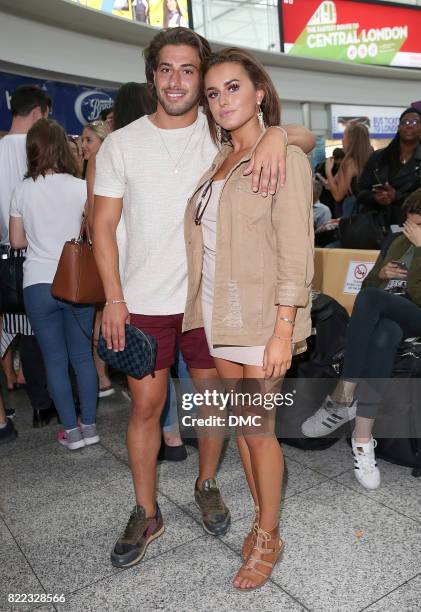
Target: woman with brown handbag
46, 211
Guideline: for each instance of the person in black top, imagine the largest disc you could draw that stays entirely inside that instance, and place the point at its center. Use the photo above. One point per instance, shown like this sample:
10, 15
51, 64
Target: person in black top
391, 174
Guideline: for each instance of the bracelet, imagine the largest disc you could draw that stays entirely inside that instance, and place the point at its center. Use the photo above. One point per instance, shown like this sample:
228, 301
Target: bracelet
115, 302
284, 132
280, 338
287, 320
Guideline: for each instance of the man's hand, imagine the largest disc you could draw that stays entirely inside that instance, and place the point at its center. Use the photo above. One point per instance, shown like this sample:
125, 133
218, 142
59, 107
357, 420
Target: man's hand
268, 162
413, 232
114, 319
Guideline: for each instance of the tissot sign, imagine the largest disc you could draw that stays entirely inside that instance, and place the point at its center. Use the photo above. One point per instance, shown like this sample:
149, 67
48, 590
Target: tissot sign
358, 32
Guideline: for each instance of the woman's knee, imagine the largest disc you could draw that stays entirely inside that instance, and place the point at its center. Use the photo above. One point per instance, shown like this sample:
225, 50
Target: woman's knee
387, 334
367, 297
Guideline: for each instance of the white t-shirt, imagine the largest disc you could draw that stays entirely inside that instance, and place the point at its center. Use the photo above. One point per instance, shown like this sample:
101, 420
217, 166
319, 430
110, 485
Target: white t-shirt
13, 166
51, 209
138, 163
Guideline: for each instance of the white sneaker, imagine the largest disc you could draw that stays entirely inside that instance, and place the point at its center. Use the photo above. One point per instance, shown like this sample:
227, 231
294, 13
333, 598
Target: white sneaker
365, 467
330, 416
106, 392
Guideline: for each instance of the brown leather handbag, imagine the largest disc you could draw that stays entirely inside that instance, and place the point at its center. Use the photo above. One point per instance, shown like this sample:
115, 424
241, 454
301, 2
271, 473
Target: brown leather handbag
77, 279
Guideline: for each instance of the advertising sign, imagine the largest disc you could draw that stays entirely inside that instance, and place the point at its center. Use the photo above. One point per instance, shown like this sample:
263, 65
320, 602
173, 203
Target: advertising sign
350, 31
382, 121
158, 13
73, 105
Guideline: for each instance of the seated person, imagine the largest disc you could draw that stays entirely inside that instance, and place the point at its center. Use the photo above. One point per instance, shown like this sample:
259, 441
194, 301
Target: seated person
386, 311
321, 212
391, 174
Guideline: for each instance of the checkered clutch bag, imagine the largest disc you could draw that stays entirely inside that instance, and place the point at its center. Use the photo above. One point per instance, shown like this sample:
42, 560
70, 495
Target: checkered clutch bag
137, 359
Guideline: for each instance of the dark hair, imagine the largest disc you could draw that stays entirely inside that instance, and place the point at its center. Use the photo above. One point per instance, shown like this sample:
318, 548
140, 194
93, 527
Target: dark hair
104, 113
392, 152
173, 36
47, 149
270, 106
412, 204
338, 153
133, 100
27, 97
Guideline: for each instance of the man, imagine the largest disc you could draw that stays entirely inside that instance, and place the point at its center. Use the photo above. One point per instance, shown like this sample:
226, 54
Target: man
28, 104
152, 166
321, 212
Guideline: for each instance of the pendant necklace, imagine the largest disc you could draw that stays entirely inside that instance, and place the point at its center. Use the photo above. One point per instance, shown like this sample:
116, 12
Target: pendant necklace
177, 163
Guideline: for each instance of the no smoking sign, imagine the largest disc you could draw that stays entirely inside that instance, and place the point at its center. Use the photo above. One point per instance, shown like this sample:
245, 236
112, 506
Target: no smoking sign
357, 272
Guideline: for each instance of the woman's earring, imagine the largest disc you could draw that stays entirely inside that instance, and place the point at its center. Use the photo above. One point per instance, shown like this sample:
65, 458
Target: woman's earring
260, 117
218, 134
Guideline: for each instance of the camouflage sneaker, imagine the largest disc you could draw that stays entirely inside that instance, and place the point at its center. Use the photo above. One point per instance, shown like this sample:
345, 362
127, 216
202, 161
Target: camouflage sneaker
216, 517
140, 531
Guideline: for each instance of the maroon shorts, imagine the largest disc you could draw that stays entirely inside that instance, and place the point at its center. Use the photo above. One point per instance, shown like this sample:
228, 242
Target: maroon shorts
167, 331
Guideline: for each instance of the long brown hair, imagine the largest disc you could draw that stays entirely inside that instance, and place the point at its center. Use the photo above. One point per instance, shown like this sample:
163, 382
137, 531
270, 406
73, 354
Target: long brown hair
47, 149
359, 148
271, 105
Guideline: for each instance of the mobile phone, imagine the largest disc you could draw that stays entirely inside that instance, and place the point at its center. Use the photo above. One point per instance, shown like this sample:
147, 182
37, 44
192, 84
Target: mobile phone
379, 187
400, 264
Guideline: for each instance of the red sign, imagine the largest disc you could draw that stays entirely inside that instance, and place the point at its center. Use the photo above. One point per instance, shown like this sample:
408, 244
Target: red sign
359, 32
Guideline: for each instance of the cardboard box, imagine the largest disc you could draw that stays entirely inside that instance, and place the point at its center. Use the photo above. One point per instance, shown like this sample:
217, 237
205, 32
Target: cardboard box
340, 272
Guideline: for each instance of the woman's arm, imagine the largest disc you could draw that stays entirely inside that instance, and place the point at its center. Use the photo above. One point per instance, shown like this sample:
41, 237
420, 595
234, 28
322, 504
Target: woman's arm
17, 234
90, 182
339, 184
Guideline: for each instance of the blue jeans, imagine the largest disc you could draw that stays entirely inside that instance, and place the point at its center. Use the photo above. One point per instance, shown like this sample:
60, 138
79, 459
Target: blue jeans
169, 417
58, 328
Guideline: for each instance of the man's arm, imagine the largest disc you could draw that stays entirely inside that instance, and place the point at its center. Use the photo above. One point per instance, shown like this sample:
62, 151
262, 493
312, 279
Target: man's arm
107, 213
269, 160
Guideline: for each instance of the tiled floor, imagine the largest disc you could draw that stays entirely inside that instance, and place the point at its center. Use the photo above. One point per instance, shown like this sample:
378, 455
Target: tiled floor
346, 549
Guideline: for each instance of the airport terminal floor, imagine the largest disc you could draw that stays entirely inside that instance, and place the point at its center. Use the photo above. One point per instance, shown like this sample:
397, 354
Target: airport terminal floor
346, 548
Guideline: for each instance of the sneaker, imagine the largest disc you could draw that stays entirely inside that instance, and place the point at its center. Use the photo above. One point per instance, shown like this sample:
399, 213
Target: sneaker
216, 517
8, 433
365, 467
71, 438
106, 392
10, 413
330, 416
130, 548
89, 434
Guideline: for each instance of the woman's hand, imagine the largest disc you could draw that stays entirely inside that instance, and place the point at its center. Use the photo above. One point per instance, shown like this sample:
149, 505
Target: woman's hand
277, 357
392, 270
385, 196
413, 232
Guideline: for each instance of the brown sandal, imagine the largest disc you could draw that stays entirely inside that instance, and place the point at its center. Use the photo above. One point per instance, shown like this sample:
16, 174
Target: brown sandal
265, 554
250, 539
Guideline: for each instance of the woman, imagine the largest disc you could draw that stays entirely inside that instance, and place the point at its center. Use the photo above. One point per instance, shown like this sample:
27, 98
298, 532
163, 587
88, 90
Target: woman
46, 210
391, 174
357, 148
173, 15
255, 308
382, 316
93, 136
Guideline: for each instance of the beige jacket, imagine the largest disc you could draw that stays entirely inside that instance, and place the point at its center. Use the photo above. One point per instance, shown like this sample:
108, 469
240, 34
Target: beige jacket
264, 255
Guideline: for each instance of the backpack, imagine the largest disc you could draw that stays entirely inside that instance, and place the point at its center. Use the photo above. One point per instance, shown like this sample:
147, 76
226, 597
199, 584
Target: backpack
401, 410
313, 374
